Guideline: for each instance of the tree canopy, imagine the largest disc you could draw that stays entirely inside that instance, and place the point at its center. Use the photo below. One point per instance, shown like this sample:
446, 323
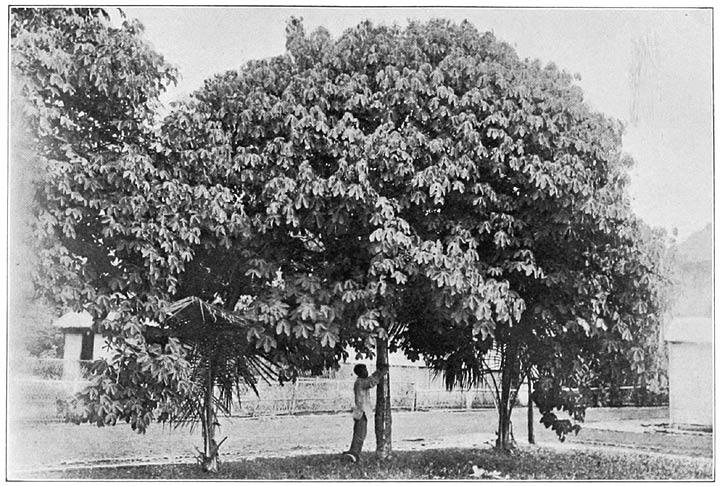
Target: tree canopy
408, 188
427, 183
90, 94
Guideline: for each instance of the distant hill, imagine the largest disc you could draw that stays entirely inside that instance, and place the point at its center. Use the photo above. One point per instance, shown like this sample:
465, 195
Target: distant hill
698, 247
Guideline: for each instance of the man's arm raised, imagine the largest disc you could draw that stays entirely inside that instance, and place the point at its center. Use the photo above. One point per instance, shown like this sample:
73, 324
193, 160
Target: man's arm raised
374, 379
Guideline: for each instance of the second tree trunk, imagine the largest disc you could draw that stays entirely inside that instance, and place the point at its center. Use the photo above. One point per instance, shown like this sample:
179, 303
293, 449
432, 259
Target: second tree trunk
383, 416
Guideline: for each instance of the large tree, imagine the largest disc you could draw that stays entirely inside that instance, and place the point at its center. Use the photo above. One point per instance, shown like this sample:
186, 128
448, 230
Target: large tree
570, 361
344, 193
353, 176
90, 93
467, 184
555, 225
104, 231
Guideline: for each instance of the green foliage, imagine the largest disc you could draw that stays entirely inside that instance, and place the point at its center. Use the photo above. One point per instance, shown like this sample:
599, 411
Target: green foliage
422, 185
531, 185
44, 341
626, 350
32, 322
331, 172
89, 92
221, 355
139, 385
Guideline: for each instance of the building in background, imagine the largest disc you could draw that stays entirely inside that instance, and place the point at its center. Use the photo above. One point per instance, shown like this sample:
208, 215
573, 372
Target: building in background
690, 371
690, 333
81, 343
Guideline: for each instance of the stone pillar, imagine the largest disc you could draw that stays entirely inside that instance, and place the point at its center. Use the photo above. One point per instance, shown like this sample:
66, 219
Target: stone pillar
71, 355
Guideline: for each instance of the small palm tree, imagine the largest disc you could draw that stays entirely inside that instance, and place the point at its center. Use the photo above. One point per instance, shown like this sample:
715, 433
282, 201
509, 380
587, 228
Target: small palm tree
224, 362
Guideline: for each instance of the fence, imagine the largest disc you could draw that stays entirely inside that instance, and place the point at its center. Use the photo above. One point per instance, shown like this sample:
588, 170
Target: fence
314, 395
36, 386
37, 399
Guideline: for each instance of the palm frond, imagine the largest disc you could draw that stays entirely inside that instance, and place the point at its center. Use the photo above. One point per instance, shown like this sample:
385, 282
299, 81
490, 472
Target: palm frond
219, 346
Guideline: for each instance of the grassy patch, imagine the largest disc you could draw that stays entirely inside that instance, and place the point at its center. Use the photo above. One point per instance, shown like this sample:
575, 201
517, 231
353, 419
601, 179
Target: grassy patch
537, 463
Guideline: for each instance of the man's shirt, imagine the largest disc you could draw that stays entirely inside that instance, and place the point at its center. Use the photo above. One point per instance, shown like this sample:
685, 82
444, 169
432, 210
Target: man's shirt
362, 393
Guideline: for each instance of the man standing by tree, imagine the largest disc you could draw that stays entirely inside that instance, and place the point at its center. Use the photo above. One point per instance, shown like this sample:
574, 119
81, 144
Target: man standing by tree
361, 388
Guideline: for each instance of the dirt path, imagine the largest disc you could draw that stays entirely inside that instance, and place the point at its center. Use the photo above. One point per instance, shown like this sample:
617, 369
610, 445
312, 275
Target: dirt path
33, 447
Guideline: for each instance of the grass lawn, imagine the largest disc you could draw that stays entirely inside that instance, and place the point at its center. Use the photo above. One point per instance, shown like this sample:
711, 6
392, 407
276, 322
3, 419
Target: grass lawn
528, 463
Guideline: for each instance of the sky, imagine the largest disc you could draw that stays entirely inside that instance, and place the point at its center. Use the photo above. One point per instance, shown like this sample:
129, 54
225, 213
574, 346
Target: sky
650, 68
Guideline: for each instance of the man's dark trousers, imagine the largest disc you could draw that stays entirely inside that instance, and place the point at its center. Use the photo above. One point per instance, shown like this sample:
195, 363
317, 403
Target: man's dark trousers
359, 434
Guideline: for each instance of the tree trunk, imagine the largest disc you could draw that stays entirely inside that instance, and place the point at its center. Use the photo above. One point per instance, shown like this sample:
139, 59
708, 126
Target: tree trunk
209, 459
383, 417
505, 439
530, 419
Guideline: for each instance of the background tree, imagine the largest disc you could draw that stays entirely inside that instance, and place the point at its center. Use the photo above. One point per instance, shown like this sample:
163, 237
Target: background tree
32, 332
113, 230
89, 91
106, 245
568, 362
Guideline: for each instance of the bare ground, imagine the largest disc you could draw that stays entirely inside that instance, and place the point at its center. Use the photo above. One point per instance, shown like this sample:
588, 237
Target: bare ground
34, 447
